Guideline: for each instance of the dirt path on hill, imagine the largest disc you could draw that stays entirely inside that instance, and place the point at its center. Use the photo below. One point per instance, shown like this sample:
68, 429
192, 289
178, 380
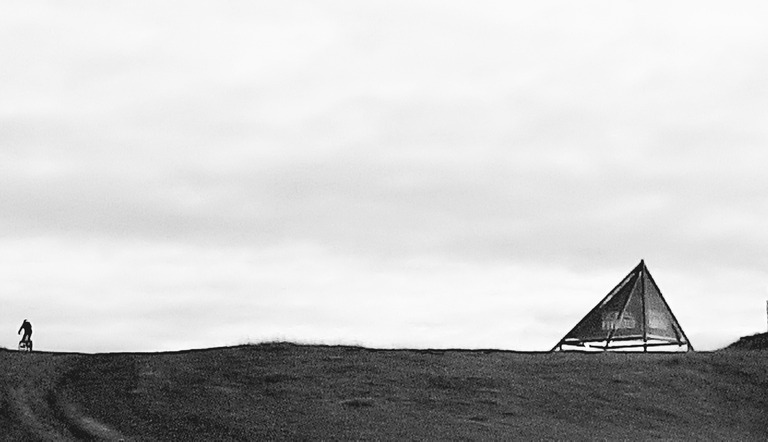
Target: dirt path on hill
33, 408
80, 425
30, 418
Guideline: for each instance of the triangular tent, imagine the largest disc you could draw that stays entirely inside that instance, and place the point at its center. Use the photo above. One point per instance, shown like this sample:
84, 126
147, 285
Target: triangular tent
633, 315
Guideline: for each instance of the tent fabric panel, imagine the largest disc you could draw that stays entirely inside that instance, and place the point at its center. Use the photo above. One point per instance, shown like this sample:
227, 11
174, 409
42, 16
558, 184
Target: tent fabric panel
597, 325
659, 318
631, 321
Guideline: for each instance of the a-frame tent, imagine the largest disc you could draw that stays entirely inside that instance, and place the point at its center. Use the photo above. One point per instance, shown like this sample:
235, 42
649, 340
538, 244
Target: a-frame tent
633, 316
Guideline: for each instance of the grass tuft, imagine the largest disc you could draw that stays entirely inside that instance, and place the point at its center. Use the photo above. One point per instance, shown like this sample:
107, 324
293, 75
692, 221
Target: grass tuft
275, 346
358, 402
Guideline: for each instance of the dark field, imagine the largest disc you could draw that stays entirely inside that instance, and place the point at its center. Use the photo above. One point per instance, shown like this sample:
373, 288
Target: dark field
286, 391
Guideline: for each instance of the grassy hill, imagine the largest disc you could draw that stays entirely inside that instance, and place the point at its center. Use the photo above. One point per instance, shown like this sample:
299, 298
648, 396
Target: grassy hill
753, 342
286, 391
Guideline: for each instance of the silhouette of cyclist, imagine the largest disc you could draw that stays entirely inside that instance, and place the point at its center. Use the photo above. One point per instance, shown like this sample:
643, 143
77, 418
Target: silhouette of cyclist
27, 327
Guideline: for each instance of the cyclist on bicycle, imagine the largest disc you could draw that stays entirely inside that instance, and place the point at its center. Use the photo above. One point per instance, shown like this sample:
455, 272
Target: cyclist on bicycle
27, 327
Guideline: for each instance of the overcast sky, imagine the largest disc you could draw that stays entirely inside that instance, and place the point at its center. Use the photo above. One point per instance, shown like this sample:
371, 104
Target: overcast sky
475, 174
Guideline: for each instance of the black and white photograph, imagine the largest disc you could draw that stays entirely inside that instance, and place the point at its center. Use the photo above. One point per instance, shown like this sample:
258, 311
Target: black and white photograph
383, 220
